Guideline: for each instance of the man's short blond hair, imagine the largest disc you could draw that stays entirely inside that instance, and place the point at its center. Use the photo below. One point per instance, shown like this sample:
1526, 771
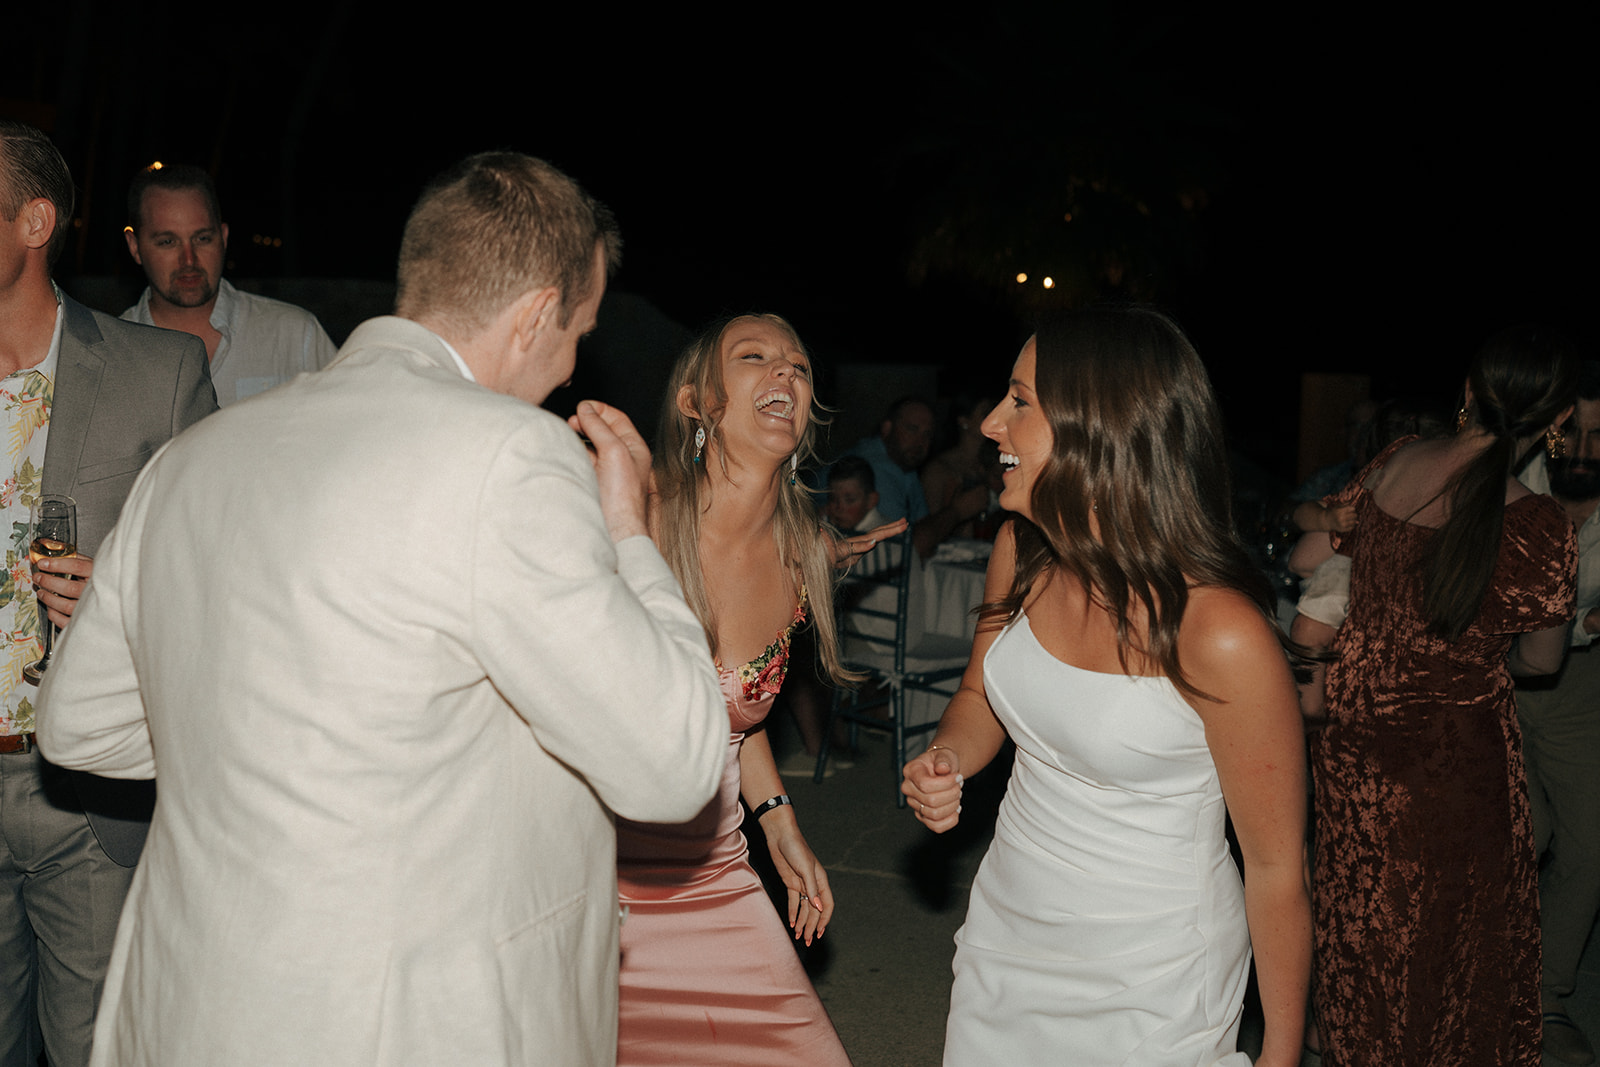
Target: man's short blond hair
493, 227
31, 168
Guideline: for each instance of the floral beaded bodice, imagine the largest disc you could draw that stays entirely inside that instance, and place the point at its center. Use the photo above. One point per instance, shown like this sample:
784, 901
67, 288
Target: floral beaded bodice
758, 681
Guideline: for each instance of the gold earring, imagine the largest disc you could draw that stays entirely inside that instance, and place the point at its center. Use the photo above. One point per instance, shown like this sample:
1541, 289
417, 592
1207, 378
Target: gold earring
1461, 419
1555, 442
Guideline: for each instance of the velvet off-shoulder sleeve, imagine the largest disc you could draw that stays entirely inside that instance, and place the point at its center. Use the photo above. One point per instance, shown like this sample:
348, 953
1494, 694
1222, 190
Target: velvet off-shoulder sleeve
1536, 577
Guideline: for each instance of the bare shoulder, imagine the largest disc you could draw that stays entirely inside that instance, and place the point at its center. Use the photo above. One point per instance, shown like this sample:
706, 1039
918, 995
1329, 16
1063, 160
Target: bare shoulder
1222, 623
1225, 642
1002, 563
1402, 462
1005, 545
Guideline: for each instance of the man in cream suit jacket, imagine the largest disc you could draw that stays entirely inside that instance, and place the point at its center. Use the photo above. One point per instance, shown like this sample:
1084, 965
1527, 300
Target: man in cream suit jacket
392, 662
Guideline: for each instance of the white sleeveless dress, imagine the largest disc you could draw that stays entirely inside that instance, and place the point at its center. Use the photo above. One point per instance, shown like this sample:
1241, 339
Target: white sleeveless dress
1107, 921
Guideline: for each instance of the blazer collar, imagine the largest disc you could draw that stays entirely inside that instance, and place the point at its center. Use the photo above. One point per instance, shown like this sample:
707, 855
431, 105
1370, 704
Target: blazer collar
392, 332
78, 371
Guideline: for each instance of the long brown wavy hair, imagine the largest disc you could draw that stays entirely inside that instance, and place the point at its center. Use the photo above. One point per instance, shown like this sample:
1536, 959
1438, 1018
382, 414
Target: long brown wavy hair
681, 484
1138, 439
1521, 379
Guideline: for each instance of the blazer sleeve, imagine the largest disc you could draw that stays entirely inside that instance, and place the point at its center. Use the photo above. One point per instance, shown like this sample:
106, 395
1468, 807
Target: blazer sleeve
592, 643
92, 716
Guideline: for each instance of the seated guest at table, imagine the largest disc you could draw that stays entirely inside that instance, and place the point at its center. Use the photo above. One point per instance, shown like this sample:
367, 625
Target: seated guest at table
896, 453
852, 496
852, 508
708, 975
972, 461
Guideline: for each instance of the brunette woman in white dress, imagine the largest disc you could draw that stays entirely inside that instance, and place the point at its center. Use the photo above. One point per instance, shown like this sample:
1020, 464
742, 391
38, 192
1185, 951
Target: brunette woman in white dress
1128, 649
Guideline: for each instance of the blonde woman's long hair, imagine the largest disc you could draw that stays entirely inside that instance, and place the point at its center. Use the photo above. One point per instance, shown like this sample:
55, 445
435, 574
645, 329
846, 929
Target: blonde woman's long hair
681, 483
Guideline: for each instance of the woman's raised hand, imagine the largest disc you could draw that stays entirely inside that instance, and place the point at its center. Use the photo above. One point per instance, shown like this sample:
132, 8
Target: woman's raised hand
932, 784
850, 549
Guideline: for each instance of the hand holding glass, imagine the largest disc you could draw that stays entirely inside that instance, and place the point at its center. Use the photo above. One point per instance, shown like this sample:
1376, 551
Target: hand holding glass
53, 527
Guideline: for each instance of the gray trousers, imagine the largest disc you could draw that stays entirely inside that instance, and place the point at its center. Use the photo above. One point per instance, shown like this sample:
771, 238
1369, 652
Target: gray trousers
1561, 742
60, 898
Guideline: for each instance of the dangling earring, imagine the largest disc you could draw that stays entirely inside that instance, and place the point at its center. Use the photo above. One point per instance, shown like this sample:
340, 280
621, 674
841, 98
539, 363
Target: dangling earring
1555, 443
699, 442
1461, 419
794, 465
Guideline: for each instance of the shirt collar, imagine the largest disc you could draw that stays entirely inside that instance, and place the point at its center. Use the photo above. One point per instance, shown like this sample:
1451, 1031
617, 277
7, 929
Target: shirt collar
52, 356
461, 364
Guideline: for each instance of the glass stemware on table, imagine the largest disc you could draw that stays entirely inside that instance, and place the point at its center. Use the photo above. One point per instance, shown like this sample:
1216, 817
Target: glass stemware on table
53, 534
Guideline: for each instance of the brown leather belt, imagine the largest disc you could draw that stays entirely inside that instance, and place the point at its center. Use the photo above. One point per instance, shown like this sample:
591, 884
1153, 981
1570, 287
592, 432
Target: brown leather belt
16, 743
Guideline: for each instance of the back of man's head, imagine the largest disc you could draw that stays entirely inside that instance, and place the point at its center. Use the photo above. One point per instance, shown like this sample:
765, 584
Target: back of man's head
176, 177
31, 168
493, 227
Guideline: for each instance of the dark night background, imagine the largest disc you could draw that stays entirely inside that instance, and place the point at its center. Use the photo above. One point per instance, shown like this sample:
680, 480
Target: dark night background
1327, 192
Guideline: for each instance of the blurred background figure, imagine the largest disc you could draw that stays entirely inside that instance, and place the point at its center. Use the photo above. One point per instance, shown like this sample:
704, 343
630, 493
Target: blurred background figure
1560, 720
176, 233
1426, 937
852, 496
972, 461
897, 454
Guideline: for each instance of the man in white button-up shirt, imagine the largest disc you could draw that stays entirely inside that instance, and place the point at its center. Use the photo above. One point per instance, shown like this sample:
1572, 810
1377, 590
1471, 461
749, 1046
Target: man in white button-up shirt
176, 233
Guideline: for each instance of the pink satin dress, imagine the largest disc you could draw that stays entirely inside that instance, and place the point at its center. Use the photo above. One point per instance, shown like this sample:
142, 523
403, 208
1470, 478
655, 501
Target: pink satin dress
709, 971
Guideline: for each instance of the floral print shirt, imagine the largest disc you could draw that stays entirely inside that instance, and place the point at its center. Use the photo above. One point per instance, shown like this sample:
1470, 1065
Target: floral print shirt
25, 398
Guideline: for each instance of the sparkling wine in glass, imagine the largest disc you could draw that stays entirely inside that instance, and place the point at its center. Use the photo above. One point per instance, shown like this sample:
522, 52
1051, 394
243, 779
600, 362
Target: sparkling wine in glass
53, 526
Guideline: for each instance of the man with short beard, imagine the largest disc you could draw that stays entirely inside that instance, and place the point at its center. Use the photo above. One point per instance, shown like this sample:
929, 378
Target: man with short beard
1561, 736
176, 233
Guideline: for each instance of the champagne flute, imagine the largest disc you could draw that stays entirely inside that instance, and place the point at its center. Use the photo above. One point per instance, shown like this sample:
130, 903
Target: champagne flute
53, 525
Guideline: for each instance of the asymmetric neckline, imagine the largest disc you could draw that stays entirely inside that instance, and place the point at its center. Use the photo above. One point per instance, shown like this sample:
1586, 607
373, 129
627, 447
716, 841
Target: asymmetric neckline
782, 639
1022, 618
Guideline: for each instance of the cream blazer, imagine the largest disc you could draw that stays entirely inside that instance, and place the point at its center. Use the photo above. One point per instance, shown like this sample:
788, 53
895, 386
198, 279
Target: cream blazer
370, 633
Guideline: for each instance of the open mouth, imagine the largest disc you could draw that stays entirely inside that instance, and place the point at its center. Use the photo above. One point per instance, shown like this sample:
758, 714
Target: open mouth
1009, 462
779, 403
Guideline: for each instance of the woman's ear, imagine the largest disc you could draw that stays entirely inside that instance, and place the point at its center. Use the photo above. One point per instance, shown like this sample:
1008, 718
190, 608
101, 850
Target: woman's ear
685, 402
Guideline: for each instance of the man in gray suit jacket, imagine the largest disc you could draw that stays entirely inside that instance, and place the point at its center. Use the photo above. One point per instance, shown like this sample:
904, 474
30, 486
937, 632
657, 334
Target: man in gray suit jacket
85, 400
